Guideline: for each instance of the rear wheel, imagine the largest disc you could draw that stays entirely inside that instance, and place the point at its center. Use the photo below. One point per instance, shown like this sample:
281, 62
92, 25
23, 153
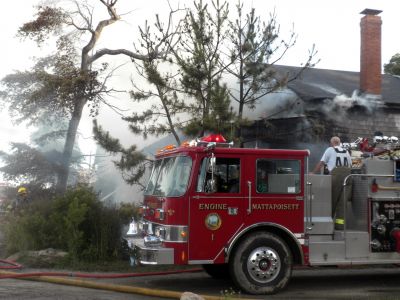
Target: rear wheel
217, 271
261, 264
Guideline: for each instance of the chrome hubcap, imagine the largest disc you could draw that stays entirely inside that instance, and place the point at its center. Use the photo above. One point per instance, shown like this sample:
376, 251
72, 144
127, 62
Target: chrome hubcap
263, 264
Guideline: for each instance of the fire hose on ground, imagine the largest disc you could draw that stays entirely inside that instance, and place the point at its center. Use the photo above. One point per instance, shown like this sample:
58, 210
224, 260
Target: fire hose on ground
10, 264
55, 277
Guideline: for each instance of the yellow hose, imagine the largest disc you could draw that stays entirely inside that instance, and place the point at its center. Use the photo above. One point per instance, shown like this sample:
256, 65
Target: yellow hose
388, 188
111, 287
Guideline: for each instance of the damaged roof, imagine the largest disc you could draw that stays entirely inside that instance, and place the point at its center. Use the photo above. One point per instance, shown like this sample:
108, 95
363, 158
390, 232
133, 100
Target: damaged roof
315, 84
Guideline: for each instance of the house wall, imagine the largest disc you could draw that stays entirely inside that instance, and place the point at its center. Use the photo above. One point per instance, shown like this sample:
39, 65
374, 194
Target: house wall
359, 122
314, 130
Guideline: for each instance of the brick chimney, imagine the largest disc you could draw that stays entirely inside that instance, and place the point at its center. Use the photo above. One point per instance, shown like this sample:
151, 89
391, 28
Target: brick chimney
370, 65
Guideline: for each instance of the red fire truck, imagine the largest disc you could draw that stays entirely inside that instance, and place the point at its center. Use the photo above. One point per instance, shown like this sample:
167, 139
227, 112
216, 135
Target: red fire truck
252, 214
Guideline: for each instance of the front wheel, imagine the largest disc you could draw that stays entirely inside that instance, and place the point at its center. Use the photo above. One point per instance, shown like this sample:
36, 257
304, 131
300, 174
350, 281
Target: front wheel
261, 264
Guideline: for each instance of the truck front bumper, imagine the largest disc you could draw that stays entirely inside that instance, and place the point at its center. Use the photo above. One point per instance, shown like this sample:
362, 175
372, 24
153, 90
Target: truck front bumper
146, 254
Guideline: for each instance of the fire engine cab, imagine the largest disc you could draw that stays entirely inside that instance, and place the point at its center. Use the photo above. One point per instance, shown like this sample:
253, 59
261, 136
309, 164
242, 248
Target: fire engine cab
252, 214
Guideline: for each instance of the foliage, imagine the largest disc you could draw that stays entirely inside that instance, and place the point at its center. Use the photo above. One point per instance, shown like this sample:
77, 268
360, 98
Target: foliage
254, 47
28, 228
198, 58
192, 86
127, 212
230, 294
29, 165
131, 163
64, 83
163, 116
49, 91
200, 50
209, 50
169, 106
49, 19
38, 165
59, 85
76, 222
213, 49
393, 67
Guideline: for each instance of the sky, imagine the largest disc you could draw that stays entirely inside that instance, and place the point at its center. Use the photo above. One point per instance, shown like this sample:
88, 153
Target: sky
332, 26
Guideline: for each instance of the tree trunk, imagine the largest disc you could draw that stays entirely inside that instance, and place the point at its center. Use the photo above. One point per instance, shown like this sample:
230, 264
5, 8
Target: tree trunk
69, 145
241, 100
177, 139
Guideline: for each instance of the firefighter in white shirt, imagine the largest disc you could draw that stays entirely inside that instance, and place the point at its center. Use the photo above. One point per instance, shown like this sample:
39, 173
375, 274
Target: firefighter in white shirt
337, 162
334, 156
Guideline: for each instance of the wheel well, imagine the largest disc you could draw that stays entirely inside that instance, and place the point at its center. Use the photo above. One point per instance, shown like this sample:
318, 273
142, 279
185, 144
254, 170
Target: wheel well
286, 237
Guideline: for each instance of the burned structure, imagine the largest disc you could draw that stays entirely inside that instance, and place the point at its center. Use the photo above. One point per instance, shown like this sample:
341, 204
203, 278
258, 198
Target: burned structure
321, 103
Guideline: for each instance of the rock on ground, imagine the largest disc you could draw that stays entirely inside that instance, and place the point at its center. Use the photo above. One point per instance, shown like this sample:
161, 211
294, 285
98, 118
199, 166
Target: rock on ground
190, 296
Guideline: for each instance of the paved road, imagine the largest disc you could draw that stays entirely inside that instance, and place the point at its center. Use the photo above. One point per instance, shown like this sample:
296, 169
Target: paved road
312, 283
315, 283
319, 283
30, 290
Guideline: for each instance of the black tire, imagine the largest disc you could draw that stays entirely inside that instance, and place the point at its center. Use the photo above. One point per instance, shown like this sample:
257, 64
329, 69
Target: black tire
261, 264
217, 271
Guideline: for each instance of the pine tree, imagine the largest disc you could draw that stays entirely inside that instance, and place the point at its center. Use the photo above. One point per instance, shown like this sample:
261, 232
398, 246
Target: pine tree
255, 47
198, 57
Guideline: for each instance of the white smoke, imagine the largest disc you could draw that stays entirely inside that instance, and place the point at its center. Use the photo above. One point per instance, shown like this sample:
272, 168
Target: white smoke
281, 104
367, 101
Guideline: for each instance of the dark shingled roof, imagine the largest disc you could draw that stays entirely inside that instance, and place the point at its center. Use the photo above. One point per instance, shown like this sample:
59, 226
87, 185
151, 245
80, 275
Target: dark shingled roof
316, 83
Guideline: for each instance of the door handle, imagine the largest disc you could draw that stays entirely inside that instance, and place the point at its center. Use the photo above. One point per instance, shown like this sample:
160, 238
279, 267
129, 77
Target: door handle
249, 187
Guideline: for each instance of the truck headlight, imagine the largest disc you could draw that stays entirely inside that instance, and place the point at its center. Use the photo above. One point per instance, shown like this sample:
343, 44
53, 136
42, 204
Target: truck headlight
152, 241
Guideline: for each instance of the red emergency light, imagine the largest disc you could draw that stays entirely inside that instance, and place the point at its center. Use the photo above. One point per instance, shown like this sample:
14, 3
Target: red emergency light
217, 138
374, 186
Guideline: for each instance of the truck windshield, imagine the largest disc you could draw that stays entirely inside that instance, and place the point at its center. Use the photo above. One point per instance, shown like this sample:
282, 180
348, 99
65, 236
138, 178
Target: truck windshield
169, 177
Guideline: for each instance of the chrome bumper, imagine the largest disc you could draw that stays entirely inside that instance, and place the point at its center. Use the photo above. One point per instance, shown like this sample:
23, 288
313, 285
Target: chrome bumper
149, 254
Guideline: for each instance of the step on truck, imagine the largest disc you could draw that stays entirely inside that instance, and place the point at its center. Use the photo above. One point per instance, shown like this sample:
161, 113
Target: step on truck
253, 214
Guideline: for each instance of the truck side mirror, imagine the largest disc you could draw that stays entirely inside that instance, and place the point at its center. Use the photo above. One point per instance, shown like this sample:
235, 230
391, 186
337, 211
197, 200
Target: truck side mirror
211, 184
211, 165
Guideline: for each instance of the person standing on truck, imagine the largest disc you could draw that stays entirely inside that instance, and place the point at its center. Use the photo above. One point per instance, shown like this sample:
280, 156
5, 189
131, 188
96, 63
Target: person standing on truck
337, 162
334, 156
